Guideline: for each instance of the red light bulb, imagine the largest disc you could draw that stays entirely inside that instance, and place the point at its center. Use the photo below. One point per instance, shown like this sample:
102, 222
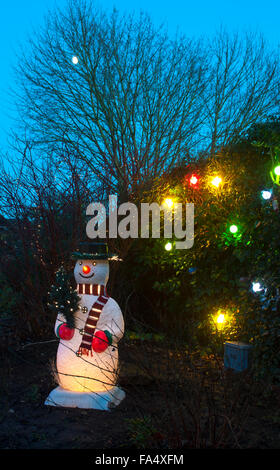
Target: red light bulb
193, 180
86, 269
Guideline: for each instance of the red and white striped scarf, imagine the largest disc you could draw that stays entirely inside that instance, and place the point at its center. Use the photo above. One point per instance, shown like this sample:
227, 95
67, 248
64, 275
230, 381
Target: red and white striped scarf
94, 289
93, 316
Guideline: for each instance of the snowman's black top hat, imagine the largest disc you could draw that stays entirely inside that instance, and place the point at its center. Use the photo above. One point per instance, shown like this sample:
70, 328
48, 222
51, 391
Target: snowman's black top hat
92, 250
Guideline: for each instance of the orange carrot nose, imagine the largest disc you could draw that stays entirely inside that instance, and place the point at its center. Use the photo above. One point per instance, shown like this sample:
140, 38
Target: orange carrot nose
86, 269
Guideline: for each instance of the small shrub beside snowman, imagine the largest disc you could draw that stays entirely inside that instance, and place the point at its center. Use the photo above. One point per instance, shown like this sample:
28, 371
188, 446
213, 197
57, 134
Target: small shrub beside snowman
89, 325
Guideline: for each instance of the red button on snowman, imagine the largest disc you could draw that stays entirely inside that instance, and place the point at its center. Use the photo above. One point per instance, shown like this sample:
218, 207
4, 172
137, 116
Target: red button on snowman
87, 355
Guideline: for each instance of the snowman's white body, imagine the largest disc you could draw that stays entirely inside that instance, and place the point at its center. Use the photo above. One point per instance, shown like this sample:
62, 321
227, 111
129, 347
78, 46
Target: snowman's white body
89, 381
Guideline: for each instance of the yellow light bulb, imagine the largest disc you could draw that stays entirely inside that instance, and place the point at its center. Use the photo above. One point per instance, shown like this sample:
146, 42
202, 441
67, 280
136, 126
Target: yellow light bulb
168, 246
168, 202
221, 318
216, 181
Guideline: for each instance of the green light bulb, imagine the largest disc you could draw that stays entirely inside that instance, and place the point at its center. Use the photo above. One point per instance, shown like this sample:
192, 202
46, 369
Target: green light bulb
277, 170
233, 228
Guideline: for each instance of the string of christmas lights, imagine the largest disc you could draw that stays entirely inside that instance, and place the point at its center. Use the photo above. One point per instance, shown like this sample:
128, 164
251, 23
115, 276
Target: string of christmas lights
194, 182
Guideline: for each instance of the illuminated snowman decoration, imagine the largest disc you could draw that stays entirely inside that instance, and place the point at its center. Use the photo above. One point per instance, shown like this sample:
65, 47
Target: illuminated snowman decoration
87, 355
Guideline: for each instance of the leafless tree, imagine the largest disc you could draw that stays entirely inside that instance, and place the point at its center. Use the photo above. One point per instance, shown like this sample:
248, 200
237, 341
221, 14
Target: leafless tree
42, 205
243, 86
130, 107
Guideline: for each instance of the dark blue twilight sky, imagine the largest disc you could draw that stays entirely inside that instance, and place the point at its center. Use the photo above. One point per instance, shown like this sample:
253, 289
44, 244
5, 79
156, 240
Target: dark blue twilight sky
203, 17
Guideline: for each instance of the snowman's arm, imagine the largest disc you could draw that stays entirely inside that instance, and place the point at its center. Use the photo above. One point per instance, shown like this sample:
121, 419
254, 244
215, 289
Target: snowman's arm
111, 319
59, 320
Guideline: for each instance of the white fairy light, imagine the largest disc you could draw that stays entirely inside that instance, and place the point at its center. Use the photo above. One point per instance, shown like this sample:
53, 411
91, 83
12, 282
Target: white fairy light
256, 287
266, 194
